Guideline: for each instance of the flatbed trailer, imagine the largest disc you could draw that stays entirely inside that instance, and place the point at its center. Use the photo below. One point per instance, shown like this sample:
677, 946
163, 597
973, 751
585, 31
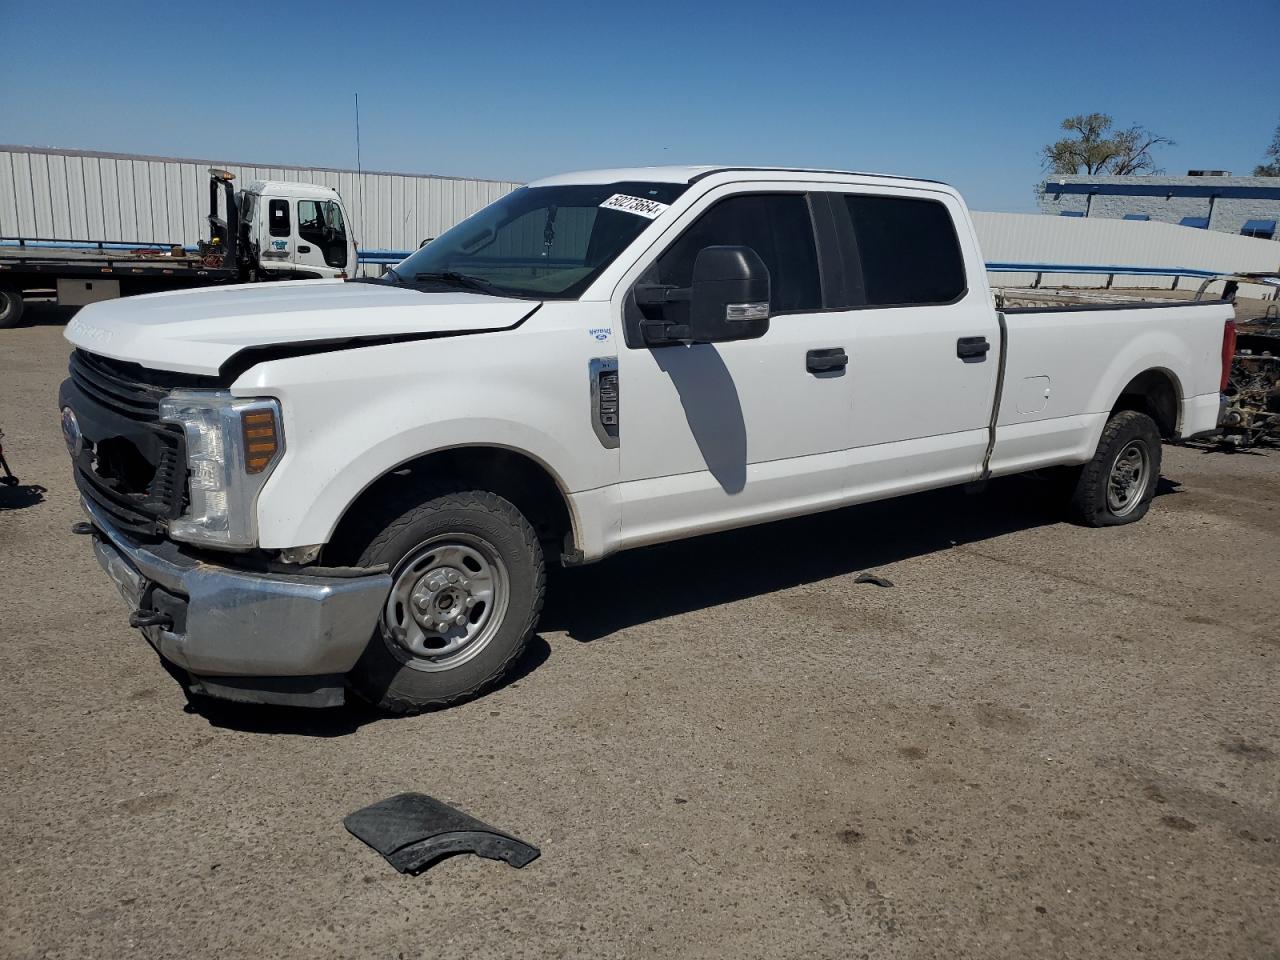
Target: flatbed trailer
269, 231
81, 273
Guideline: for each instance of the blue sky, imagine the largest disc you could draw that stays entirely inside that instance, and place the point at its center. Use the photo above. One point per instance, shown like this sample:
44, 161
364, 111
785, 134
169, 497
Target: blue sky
962, 92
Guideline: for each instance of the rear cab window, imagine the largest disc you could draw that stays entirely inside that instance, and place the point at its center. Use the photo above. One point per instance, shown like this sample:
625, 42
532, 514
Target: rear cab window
898, 251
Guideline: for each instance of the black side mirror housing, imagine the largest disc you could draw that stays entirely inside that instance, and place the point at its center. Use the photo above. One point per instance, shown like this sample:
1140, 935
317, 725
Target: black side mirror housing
728, 300
730, 295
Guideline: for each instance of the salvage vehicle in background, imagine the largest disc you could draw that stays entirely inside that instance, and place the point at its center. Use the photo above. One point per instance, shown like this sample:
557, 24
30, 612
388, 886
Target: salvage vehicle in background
301, 489
270, 230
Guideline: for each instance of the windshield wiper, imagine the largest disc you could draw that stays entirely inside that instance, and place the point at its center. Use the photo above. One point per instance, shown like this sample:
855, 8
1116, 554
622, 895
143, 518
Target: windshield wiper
454, 279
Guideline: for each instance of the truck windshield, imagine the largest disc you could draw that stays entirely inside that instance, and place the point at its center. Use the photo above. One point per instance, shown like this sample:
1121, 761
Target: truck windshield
540, 242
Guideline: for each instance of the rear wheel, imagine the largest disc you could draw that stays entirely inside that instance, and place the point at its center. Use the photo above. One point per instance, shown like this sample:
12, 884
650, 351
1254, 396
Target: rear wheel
468, 580
1118, 484
11, 307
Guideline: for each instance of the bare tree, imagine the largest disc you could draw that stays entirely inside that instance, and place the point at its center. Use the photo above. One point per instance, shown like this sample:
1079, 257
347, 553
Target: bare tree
1272, 167
1095, 149
1134, 151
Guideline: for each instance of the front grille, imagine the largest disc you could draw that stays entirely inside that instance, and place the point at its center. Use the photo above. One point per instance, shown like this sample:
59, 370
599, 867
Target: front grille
133, 465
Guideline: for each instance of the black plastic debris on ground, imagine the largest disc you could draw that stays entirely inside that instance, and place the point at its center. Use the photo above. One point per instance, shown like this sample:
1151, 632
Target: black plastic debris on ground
873, 578
413, 831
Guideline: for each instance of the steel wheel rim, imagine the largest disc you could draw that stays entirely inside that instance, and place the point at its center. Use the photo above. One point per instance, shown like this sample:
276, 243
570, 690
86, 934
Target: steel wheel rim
1129, 478
443, 580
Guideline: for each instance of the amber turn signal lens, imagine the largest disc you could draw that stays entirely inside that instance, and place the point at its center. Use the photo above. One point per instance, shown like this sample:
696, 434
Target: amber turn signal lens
260, 439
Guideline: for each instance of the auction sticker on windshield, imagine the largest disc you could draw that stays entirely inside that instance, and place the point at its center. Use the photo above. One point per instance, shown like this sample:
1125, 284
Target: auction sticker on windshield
641, 207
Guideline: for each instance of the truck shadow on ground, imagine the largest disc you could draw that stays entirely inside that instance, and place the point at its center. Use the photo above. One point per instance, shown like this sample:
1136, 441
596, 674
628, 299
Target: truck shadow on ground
671, 579
334, 722
657, 582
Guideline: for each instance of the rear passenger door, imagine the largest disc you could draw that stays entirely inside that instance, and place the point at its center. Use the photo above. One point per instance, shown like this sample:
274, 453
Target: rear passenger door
922, 387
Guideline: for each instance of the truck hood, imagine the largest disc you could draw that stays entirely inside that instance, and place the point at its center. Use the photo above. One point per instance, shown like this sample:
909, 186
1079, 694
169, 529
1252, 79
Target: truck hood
197, 331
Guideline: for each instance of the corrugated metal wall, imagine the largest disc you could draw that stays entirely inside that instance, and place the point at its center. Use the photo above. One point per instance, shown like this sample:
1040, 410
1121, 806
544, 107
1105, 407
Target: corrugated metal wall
1033, 238
84, 196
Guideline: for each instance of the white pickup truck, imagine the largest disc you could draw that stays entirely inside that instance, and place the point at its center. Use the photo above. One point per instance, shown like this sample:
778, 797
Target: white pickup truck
307, 488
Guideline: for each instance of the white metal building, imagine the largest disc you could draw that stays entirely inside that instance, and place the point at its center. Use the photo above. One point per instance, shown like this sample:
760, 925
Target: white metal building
88, 196
84, 195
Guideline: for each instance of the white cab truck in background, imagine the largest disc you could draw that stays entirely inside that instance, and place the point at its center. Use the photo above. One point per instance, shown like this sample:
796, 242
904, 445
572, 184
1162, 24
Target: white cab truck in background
305, 489
270, 230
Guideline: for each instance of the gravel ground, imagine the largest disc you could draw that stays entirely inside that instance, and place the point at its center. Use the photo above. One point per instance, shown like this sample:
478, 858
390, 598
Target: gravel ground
1042, 741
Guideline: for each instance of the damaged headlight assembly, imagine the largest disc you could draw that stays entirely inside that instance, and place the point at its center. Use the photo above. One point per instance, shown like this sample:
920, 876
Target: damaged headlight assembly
233, 443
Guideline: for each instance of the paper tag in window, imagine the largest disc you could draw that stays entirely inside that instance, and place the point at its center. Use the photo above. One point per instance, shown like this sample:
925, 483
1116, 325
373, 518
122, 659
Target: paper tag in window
649, 209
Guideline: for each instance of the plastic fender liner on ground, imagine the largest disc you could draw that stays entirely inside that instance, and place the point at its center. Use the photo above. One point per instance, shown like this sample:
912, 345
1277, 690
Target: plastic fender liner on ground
412, 831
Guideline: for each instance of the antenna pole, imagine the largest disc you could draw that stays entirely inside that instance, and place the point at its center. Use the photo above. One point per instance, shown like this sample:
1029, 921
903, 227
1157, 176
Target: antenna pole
359, 169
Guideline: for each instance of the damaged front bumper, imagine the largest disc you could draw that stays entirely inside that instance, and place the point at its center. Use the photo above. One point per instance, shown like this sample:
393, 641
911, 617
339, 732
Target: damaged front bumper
243, 635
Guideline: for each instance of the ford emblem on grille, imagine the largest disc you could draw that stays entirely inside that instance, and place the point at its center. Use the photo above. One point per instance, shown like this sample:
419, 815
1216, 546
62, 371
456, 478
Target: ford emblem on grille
71, 432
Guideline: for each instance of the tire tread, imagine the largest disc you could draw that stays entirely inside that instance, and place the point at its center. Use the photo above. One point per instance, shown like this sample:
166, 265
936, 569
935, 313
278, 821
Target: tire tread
1089, 498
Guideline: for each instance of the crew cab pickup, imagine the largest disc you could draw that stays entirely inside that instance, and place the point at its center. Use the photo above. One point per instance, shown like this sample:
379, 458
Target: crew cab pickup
304, 489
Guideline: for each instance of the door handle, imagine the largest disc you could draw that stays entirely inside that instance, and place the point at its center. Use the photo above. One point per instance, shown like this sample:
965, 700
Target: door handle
304, 249
824, 361
972, 349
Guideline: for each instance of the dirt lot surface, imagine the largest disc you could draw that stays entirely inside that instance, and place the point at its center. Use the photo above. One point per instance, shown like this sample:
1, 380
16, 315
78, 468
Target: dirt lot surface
1043, 741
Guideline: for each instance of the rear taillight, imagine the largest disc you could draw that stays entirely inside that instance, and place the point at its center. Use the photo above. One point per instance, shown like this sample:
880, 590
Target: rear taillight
1228, 351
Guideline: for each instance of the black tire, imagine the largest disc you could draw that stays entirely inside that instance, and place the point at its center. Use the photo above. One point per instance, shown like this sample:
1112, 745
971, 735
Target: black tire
1126, 431
11, 307
393, 678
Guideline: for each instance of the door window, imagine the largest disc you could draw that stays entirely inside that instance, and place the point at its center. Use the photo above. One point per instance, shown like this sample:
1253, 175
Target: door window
777, 226
278, 214
906, 252
320, 224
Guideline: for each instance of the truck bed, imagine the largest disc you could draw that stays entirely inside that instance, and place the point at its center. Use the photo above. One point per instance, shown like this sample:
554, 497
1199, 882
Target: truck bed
1066, 364
46, 258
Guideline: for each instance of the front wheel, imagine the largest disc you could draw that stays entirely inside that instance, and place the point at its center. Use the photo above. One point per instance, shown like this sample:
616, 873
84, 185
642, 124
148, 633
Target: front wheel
1119, 483
468, 580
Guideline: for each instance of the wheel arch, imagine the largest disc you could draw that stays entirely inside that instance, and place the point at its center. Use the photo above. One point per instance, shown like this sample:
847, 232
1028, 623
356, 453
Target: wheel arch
1156, 392
517, 476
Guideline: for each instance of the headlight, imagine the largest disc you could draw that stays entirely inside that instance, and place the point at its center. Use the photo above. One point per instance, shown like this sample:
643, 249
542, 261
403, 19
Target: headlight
232, 445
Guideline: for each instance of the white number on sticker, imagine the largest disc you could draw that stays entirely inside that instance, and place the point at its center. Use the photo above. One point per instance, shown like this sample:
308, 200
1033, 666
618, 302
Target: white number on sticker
650, 209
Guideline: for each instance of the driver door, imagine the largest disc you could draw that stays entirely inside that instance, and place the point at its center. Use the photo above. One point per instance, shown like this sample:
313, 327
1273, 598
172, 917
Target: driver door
718, 435
321, 245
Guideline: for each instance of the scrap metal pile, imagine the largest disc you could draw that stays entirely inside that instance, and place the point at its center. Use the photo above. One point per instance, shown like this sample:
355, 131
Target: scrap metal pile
1253, 413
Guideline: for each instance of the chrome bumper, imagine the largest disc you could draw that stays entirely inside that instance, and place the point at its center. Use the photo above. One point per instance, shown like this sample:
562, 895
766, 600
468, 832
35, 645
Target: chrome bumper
233, 623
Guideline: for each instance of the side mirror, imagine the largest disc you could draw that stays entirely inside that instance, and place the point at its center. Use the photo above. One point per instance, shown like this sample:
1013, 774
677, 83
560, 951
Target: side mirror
730, 295
728, 300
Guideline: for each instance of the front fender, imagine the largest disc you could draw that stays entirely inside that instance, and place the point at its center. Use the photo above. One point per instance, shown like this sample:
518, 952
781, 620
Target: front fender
351, 417
304, 502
